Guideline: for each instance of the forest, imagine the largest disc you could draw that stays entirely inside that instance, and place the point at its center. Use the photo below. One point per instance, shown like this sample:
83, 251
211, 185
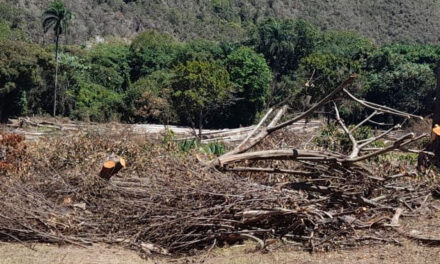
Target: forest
157, 78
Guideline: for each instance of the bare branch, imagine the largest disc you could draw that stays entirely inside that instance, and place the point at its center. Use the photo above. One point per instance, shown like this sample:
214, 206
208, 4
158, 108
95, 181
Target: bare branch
325, 100
279, 154
375, 113
270, 170
373, 139
273, 127
405, 140
380, 123
381, 108
256, 128
355, 148
278, 116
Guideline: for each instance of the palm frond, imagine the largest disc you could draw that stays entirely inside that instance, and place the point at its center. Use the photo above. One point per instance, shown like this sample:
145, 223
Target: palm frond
48, 24
56, 17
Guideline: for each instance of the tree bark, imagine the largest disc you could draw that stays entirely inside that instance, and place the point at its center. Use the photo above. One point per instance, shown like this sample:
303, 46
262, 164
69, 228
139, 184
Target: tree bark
56, 76
200, 126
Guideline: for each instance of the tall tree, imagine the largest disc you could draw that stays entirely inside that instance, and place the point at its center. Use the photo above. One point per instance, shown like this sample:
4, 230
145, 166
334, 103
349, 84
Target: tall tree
56, 17
251, 76
198, 89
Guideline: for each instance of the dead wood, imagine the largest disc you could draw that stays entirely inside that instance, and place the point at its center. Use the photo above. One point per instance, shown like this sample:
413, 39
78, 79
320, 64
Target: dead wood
273, 126
268, 188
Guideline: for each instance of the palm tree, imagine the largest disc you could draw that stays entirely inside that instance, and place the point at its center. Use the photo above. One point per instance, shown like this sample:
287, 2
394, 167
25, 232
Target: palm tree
57, 17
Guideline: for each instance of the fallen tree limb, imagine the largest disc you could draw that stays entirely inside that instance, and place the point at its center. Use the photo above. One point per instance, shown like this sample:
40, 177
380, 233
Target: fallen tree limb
269, 170
273, 127
381, 108
279, 154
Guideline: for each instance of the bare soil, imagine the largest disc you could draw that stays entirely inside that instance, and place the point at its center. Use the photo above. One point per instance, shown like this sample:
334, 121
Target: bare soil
408, 252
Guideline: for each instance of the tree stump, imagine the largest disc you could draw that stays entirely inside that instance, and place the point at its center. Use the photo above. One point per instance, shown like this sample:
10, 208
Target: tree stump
111, 167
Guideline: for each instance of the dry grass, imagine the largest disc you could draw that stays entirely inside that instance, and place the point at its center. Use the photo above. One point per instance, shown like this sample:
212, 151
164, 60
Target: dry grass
408, 253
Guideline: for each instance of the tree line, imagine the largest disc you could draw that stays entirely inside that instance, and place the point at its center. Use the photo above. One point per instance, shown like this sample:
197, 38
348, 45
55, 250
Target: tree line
157, 78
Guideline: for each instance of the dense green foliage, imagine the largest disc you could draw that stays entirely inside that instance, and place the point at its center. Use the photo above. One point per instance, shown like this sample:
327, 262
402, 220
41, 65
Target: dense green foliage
251, 76
284, 43
151, 51
204, 83
23, 75
198, 89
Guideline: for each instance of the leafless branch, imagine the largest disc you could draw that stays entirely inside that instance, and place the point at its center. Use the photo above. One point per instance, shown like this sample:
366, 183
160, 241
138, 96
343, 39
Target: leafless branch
381, 108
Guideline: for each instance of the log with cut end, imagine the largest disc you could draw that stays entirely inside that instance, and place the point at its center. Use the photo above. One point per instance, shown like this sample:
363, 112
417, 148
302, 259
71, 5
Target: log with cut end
435, 132
111, 167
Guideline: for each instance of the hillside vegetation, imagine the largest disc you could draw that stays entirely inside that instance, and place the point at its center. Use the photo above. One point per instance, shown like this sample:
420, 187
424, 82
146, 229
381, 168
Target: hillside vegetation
383, 21
194, 77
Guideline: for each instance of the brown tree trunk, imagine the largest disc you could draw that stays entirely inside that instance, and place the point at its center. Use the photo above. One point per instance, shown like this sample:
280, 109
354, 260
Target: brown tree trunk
434, 143
112, 166
200, 126
56, 76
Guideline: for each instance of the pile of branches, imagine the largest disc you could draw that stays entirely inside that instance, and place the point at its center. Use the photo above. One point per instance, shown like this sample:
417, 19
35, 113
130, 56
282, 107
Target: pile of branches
166, 202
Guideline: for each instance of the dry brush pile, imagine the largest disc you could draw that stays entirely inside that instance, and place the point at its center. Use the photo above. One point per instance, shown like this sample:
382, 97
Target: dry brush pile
169, 202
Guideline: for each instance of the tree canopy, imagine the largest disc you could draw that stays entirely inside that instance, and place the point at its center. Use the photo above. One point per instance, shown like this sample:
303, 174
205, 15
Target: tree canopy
198, 89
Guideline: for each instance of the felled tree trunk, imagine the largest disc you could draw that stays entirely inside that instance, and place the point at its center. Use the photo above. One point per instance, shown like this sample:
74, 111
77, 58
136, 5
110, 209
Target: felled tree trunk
433, 145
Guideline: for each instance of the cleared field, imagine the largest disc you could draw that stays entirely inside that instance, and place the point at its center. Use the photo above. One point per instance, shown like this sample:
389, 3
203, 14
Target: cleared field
409, 252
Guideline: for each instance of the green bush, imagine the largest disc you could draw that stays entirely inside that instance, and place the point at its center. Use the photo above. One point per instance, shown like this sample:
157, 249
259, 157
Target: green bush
390, 57
96, 103
214, 148
23, 72
187, 145
211, 149
6, 32
284, 42
200, 50
409, 87
327, 70
333, 138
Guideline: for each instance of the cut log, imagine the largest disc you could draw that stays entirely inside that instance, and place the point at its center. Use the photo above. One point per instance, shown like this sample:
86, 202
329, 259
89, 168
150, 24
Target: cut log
111, 167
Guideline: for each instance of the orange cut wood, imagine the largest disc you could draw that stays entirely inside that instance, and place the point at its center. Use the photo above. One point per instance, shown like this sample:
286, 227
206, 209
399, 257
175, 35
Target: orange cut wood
109, 164
436, 130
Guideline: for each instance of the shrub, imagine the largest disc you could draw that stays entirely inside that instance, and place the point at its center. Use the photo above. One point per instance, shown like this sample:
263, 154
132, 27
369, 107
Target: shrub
335, 139
23, 70
284, 42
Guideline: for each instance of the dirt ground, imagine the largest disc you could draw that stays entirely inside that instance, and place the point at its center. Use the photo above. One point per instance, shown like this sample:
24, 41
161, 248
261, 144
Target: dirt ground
409, 252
